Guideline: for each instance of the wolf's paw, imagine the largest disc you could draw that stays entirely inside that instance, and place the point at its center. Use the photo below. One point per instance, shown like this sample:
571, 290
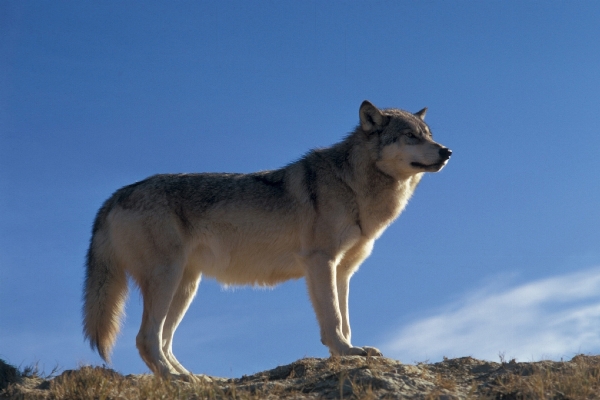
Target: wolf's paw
202, 378
355, 351
372, 351
361, 351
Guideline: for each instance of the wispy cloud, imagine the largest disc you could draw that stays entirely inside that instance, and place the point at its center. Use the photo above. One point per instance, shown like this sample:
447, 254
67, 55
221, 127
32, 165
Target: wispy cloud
550, 318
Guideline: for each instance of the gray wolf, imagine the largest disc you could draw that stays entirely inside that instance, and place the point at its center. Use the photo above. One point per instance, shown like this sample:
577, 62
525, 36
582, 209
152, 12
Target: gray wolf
315, 218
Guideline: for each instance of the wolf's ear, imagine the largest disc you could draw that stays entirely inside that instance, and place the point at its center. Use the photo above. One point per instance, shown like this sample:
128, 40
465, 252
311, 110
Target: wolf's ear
370, 117
421, 114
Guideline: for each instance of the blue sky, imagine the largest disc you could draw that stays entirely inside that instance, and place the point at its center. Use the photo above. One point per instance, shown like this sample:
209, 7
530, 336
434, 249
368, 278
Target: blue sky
497, 254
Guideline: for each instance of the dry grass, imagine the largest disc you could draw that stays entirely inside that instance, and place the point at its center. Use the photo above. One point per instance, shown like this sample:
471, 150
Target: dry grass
102, 384
578, 379
340, 378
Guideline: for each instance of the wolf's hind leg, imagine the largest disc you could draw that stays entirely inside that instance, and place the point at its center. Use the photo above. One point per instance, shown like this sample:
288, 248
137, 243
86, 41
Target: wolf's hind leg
158, 290
181, 301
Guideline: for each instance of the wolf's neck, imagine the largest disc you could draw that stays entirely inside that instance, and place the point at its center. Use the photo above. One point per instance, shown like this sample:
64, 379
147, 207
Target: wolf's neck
380, 197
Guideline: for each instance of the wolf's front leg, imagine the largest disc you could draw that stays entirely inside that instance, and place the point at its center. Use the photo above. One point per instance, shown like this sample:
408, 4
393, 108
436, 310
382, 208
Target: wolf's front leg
322, 287
343, 291
349, 264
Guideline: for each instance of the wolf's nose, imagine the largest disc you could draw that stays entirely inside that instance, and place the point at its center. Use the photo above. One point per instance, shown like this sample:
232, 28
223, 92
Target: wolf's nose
445, 153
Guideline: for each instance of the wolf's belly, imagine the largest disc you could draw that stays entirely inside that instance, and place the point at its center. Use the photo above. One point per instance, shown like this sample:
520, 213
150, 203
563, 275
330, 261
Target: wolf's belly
250, 261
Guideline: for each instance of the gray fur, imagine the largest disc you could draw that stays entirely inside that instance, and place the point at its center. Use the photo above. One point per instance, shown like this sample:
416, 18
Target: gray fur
316, 218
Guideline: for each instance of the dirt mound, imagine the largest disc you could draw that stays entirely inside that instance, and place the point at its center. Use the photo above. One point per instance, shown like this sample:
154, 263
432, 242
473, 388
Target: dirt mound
331, 378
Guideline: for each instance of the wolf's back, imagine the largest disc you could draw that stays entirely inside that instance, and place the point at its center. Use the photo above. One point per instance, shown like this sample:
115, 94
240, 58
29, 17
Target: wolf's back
105, 287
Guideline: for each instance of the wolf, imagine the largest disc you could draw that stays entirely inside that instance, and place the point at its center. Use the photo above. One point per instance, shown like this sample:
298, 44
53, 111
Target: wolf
316, 218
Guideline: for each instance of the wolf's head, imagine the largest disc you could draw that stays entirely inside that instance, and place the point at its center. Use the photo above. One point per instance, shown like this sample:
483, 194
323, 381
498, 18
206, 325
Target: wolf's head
402, 141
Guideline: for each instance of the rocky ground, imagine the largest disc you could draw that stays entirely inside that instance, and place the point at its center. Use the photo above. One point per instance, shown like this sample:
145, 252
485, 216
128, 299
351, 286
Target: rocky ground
332, 378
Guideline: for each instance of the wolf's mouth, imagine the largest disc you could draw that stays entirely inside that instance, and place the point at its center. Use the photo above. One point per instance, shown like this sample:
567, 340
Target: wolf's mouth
430, 166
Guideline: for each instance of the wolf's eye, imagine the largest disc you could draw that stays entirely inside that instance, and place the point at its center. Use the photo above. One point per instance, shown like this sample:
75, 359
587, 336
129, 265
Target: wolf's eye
410, 135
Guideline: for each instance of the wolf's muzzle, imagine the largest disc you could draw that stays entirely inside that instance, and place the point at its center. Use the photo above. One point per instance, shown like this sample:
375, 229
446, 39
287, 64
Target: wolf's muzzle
445, 153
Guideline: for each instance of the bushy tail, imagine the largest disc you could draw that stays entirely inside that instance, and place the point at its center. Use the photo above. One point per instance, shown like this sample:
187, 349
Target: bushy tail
104, 294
